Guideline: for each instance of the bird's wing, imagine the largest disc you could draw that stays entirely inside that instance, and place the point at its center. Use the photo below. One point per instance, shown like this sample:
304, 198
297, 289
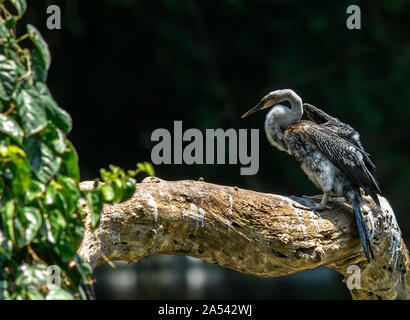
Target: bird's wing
344, 155
342, 129
316, 115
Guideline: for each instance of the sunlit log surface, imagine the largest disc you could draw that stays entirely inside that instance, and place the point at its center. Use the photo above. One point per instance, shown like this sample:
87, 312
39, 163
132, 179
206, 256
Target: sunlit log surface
262, 234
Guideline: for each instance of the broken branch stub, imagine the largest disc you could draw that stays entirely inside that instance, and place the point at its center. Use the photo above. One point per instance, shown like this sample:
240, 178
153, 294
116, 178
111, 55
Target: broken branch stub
262, 234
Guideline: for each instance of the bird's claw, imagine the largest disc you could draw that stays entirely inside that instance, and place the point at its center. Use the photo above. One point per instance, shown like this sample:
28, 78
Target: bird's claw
297, 206
315, 197
321, 207
316, 208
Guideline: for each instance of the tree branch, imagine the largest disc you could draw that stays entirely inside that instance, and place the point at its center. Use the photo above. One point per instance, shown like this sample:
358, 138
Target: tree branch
262, 234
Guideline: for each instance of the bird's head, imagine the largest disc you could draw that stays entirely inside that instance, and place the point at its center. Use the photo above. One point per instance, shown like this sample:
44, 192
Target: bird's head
271, 99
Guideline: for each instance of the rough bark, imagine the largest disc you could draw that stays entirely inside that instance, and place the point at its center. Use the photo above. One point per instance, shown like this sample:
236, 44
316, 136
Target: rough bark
266, 235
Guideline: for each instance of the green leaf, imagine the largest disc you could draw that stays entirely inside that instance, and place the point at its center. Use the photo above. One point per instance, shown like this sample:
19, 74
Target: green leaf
8, 76
35, 190
11, 128
40, 44
112, 174
95, 202
31, 220
20, 6
105, 174
70, 192
11, 22
32, 115
7, 212
40, 71
69, 166
146, 167
32, 276
3, 289
72, 239
21, 68
58, 223
118, 189
20, 181
4, 32
64, 248
60, 202
108, 192
6, 247
50, 198
129, 188
118, 185
11, 54
59, 294
50, 236
58, 142
15, 169
34, 294
58, 116
44, 163
55, 137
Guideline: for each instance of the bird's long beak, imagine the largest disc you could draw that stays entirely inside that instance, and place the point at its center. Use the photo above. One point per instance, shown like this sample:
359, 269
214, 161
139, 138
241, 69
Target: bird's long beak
259, 106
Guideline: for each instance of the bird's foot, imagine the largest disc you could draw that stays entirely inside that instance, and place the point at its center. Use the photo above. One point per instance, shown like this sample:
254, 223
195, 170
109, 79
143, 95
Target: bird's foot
338, 199
320, 207
316, 207
315, 197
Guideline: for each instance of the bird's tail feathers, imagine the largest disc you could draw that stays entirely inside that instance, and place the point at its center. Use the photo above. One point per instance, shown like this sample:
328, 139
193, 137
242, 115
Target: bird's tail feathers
361, 225
374, 189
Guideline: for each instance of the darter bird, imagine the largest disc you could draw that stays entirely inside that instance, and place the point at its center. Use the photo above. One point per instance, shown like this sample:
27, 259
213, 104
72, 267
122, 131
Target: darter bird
328, 151
342, 129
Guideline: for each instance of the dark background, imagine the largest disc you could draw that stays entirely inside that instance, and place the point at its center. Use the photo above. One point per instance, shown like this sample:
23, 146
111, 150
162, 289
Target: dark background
124, 68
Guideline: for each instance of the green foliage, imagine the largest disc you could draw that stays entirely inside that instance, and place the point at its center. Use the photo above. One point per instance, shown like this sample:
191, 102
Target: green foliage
40, 217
